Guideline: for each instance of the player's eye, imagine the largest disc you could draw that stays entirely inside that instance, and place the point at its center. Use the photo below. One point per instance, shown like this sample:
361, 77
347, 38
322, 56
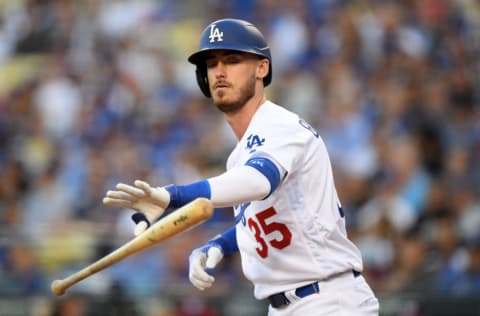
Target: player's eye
233, 59
211, 62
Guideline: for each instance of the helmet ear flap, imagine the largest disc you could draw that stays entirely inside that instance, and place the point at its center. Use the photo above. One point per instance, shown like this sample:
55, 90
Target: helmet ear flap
202, 80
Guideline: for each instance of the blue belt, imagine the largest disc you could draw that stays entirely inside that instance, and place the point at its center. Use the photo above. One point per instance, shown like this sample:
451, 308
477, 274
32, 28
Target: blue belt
280, 299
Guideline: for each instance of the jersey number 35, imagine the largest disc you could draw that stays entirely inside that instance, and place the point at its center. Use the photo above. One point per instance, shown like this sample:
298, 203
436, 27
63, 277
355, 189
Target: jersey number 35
258, 224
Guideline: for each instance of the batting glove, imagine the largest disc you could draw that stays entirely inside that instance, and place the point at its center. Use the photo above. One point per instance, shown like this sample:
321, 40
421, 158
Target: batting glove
149, 202
205, 257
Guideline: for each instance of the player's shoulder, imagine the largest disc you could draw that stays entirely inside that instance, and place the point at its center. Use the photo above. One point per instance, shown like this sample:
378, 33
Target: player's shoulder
269, 108
278, 119
271, 116
275, 122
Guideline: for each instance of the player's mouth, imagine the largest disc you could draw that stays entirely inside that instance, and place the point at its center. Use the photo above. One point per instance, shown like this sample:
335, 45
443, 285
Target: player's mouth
220, 85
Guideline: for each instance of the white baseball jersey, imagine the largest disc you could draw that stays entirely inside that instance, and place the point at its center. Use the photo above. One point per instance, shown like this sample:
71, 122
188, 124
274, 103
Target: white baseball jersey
296, 235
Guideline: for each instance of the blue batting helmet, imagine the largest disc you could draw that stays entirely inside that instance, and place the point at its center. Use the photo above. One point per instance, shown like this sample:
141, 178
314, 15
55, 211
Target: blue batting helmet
230, 34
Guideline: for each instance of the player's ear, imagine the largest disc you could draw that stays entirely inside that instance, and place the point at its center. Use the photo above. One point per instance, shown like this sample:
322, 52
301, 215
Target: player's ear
263, 68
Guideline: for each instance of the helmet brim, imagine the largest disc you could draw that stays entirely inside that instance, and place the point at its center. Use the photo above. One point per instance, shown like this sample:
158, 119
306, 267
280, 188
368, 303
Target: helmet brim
198, 57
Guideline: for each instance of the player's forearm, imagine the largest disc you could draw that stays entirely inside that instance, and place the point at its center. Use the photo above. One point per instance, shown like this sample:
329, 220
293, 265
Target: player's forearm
238, 185
256, 180
226, 241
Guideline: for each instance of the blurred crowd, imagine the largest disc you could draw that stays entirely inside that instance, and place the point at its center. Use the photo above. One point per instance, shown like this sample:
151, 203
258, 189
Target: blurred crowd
93, 93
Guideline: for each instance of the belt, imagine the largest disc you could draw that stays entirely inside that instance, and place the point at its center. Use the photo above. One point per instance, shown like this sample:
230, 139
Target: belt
280, 299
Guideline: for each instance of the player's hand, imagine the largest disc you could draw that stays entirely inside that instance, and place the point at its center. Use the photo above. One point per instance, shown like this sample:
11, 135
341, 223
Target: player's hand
206, 257
150, 202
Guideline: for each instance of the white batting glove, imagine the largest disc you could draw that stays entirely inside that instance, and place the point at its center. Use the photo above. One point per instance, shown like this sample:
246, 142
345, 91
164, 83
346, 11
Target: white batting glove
206, 257
150, 202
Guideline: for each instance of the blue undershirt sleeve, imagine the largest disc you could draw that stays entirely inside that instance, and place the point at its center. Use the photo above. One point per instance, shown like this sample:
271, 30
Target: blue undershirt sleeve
227, 241
183, 194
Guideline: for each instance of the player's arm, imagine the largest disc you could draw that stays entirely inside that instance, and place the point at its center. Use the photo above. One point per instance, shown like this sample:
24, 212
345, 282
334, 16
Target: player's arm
255, 180
236, 186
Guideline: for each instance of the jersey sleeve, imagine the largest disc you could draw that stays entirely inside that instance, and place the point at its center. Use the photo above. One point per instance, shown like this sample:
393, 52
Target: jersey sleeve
238, 185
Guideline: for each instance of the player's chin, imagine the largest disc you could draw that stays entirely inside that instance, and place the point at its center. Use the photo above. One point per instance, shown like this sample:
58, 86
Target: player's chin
223, 102
227, 107
221, 95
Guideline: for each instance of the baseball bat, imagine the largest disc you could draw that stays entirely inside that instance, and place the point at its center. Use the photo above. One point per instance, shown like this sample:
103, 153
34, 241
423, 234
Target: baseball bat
175, 223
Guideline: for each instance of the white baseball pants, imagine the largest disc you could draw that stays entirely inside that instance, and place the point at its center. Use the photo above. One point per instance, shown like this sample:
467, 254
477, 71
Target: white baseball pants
344, 295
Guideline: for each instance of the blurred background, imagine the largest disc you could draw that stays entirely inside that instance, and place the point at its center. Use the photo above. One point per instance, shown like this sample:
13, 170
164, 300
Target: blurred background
98, 92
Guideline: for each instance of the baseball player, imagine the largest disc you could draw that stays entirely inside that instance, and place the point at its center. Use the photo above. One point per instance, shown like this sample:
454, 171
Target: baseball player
289, 223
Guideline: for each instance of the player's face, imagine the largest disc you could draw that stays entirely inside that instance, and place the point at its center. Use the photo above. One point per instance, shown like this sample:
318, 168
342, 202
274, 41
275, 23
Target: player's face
232, 78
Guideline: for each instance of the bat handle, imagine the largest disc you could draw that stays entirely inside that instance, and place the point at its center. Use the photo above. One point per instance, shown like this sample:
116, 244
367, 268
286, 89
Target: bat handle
182, 219
59, 287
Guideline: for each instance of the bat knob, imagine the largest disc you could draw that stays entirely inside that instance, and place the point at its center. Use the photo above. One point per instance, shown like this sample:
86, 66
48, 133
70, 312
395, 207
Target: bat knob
57, 288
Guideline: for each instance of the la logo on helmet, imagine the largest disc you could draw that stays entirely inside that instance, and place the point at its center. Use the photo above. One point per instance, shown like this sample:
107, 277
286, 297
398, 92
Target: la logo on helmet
215, 34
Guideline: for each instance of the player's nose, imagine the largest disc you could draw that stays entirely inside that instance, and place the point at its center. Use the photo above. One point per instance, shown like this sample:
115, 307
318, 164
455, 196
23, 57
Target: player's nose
219, 70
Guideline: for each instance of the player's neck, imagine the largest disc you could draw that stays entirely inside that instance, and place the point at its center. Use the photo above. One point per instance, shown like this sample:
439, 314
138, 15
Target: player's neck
240, 120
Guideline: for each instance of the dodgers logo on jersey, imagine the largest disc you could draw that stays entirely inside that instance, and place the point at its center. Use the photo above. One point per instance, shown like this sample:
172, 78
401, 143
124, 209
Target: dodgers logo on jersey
215, 34
254, 141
